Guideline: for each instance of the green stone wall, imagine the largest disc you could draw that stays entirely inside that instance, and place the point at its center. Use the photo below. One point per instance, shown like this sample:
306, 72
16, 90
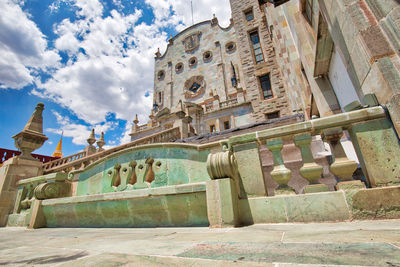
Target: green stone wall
172, 166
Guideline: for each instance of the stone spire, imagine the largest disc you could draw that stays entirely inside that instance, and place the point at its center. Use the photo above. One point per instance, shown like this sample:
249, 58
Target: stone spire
58, 152
101, 143
31, 137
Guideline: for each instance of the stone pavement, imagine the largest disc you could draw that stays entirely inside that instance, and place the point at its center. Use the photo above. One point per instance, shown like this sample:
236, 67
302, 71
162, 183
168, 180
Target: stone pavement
364, 243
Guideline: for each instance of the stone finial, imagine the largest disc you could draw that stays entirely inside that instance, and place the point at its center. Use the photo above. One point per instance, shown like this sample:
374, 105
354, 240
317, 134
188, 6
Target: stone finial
101, 142
136, 120
90, 149
214, 20
31, 137
158, 54
92, 139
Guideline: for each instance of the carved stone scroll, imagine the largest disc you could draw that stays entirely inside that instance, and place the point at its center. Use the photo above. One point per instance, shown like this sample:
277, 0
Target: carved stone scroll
222, 165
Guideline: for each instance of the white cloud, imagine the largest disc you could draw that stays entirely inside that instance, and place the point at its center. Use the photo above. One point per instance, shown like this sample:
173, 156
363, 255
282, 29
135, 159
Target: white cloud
78, 132
182, 15
23, 47
110, 69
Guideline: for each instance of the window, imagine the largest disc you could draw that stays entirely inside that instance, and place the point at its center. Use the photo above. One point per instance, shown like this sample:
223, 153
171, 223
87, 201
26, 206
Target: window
265, 83
255, 39
207, 56
249, 15
161, 74
230, 47
212, 128
272, 115
227, 125
195, 86
160, 97
192, 62
179, 67
308, 8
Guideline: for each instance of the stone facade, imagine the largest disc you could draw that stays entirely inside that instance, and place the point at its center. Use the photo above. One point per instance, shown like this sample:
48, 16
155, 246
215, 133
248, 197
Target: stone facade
212, 76
348, 51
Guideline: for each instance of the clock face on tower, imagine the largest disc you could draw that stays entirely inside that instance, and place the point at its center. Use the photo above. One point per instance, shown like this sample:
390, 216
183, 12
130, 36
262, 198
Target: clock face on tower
194, 87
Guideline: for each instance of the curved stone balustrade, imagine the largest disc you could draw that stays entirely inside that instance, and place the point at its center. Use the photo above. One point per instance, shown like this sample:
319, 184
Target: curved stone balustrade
81, 160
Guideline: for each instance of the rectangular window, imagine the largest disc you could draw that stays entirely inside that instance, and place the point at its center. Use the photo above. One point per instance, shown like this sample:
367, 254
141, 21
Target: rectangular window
265, 83
212, 128
272, 115
227, 125
255, 40
249, 15
160, 97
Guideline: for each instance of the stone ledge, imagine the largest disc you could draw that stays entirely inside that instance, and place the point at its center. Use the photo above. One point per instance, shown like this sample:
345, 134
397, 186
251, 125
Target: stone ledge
130, 194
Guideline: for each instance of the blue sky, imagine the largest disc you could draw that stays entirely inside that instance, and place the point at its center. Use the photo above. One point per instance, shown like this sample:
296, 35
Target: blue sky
89, 61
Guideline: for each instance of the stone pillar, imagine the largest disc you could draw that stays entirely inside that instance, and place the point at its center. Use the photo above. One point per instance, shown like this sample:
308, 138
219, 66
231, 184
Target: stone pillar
378, 151
222, 190
222, 203
394, 109
310, 171
342, 166
22, 166
280, 173
250, 169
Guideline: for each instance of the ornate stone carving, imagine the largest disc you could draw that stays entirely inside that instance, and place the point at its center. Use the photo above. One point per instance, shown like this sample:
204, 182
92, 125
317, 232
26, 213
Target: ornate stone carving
195, 86
222, 165
192, 42
51, 190
342, 166
280, 173
31, 137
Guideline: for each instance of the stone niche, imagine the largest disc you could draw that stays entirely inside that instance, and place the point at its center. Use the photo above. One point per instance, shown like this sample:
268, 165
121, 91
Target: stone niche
194, 87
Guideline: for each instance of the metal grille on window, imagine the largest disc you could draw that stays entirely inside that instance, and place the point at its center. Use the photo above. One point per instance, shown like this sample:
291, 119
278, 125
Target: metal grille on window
255, 39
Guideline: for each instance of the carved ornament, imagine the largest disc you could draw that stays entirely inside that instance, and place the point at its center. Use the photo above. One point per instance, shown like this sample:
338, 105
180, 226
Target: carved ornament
191, 42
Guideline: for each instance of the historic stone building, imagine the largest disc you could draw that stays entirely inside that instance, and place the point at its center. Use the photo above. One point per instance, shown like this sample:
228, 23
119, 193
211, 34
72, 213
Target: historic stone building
345, 52
220, 78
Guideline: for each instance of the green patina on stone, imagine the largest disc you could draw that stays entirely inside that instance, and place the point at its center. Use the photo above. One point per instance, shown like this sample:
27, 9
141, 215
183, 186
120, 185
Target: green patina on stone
171, 166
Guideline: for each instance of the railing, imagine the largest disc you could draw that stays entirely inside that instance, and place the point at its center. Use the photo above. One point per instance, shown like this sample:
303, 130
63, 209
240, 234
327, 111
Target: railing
79, 160
64, 160
228, 103
6, 154
209, 107
331, 130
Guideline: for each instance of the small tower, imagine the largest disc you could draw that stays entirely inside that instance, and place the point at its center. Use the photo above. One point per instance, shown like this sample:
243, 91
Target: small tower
58, 152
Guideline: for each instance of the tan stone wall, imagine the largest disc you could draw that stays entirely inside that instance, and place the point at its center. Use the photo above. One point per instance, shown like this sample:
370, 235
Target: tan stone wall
279, 102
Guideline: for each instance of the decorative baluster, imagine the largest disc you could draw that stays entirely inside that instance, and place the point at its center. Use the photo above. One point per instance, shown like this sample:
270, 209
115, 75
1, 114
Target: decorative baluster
342, 166
280, 173
311, 171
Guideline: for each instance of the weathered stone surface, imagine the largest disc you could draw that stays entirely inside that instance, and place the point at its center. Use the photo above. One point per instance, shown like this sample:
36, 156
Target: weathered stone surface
318, 207
222, 203
376, 203
378, 150
250, 170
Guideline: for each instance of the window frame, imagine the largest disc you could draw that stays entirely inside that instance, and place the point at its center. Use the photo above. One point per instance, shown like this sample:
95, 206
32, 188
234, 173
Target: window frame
269, 95
248, 12
254, 48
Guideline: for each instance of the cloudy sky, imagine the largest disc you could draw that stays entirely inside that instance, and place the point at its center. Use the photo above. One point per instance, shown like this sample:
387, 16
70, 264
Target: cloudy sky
89, 61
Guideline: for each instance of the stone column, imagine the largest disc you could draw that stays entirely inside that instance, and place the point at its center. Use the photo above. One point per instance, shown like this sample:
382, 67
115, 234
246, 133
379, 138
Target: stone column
280, 173
342, 166
222, 190
311, 171
22, 166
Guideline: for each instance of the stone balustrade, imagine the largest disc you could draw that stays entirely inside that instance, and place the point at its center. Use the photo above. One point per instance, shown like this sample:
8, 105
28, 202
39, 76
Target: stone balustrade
6, 154
369, 131
228, 103
80, 160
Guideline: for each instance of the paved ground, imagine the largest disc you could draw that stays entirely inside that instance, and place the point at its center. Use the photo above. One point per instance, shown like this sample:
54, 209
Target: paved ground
373, 243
